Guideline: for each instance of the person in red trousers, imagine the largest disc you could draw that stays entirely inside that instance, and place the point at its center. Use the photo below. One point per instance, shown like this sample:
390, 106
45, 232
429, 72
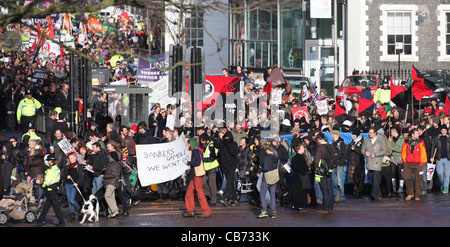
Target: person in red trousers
194, 182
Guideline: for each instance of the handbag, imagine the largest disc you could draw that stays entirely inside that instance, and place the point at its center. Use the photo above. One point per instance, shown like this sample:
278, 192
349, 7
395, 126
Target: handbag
272, 177
199, 170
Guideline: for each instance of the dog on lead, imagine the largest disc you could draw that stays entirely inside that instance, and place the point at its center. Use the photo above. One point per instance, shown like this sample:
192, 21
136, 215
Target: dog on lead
91, 209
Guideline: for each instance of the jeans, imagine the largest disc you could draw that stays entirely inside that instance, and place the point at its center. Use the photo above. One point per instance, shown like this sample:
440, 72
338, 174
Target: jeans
262, 194
443, 171
318, 192
71, 192
326, 186
375, 176
97, 184
338, 181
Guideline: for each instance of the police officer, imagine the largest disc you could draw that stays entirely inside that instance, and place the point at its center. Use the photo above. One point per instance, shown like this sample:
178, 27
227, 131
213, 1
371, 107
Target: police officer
383, 94
211, 164
26, 110
31, 132
51, 185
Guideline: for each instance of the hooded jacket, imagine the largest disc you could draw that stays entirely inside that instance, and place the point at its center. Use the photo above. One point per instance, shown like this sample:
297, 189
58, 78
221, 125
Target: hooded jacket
228, 151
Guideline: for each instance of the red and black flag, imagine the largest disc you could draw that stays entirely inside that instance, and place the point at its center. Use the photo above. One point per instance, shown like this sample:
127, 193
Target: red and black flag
419, 88
365, 107
399, 95
339, 113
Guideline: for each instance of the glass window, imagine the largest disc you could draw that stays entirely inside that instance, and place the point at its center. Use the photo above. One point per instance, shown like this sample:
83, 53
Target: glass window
194, 29
447, 43
399, 31
291, 35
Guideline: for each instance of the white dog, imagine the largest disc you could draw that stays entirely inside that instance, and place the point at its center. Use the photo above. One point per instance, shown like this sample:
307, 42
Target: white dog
91, 209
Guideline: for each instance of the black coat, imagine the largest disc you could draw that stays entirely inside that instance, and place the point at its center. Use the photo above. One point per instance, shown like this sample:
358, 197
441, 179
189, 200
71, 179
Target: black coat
299, 196
228, 152
145, 138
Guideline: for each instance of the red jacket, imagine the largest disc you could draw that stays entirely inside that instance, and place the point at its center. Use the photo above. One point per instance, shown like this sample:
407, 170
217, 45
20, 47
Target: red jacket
419, 154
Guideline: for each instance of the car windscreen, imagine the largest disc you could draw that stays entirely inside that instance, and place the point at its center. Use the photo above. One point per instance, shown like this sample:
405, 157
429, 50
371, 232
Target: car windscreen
354, 81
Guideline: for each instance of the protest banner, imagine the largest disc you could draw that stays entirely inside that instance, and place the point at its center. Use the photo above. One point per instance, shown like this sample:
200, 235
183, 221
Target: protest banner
299, 112
322, 107
161, 162
66, 147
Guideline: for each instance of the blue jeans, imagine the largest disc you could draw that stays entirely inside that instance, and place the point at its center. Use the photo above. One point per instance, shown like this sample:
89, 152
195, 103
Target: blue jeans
262, 194
97, 184
443, 171
375, 176
338, 181
326, 187
71, 192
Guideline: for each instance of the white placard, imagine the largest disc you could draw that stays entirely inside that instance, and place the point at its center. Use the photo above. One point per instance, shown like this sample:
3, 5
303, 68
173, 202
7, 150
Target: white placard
161, 162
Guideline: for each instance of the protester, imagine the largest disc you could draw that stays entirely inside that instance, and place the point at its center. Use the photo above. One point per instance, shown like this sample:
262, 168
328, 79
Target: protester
300, 180
194, 182
414, 156
271, 162
374, 148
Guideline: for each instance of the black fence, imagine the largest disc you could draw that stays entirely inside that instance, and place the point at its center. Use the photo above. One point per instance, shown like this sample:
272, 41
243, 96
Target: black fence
404, 74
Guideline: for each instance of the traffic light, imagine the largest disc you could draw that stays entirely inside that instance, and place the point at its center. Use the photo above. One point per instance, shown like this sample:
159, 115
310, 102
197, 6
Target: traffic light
196, 73
177, 72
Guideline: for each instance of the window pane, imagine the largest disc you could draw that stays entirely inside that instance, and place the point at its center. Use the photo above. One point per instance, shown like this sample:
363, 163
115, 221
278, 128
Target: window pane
448, 49
399, 38
407, 39
391, 39
391, 49
407, 49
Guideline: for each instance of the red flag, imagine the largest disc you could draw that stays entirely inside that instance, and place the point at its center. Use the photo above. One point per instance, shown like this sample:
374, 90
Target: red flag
268, 88
447, 106
299, 112
365, 107
124, 17
419, 88
338, 110
399, 95
49, 31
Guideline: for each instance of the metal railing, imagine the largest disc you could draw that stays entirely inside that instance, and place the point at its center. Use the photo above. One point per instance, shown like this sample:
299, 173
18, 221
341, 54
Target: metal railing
400, 75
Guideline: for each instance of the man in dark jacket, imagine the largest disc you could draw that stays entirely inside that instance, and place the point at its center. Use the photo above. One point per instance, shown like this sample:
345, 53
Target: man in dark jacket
62, 98
143, 136
366, 93
228, 162
111, 183
338, 171
98, 161
325, 182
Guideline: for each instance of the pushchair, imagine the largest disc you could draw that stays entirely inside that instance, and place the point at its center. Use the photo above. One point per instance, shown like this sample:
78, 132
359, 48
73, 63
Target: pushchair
20, 205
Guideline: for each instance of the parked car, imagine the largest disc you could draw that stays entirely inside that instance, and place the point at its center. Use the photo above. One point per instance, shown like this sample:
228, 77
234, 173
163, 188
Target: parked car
297, 81
436, 80
352, 85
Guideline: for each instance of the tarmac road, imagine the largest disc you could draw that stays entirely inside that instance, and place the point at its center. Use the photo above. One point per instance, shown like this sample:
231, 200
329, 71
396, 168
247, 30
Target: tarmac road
433, 210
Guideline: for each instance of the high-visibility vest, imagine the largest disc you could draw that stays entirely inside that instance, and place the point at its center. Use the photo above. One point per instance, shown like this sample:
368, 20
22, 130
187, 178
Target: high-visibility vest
383, 95
27, 107
32, 135
52, 176
210, 165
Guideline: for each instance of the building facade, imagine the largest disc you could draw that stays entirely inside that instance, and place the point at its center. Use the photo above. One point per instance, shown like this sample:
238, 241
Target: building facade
371, 35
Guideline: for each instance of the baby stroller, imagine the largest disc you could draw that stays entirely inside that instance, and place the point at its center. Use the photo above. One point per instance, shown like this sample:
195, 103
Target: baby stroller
19, 205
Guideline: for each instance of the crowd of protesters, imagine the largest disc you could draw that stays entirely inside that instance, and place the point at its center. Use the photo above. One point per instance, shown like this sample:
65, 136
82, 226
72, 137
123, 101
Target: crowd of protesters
237, 154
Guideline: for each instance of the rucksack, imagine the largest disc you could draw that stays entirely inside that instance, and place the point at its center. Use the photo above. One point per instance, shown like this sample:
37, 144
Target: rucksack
332, 156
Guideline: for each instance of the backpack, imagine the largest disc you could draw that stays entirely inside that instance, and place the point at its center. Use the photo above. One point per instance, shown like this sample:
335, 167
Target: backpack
332, 156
